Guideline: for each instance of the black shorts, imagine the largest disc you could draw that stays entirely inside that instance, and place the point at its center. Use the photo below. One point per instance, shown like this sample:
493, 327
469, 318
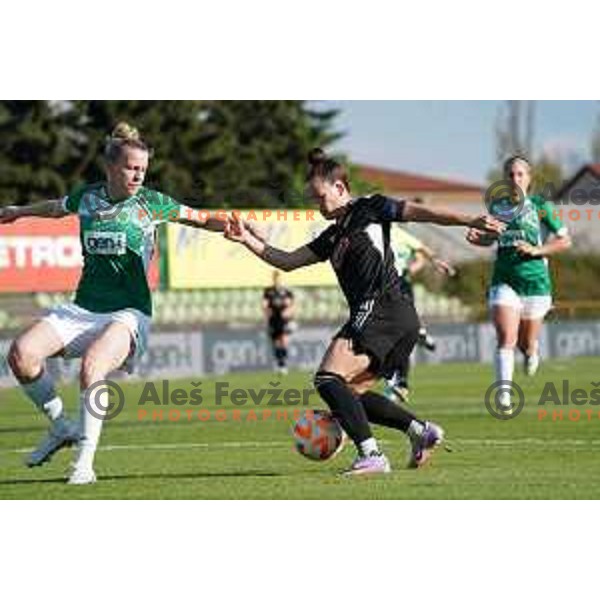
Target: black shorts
278, 327
387, 333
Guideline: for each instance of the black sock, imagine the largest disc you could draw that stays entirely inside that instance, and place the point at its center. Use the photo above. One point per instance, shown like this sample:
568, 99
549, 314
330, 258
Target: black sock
382, 411
280, 357
284, 356
401, 357
344, 405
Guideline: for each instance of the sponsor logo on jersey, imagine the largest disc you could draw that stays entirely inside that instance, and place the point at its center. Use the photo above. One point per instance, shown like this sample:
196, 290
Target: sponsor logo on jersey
105, 242
511, 238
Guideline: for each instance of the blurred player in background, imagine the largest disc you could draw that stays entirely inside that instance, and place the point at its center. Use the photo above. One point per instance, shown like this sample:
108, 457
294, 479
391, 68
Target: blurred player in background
521, 291
108, 322
278, 306
383, 320
411, 256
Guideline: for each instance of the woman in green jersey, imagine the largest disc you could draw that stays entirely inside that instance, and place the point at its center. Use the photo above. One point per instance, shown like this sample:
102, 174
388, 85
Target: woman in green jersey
108, 322
521, 291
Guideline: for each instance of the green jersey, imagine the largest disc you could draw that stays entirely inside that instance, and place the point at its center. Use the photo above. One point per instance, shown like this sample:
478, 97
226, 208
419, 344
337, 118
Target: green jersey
117, 241
405, 247
527, 276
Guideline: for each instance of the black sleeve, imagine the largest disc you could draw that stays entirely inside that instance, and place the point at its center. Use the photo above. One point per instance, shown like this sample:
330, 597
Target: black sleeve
386, 209
322, 245
267, 294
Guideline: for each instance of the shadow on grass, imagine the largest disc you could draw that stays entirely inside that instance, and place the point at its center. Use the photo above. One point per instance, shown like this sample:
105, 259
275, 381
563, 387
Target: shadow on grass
142, 476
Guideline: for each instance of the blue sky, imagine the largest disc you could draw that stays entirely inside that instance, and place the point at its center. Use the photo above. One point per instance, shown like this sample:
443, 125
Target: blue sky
455, 139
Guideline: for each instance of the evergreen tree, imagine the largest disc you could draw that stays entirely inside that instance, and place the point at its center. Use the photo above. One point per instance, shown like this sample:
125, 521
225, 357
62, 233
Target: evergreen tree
172, 129
260, 151
207, 153
33, 152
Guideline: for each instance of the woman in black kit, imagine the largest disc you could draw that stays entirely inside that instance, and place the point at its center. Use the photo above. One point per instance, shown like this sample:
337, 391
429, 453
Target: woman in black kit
278, 304
383, 322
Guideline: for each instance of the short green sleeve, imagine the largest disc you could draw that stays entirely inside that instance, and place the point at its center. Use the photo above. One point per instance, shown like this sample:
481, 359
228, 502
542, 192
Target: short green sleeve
548, 214
72, 201
162, 208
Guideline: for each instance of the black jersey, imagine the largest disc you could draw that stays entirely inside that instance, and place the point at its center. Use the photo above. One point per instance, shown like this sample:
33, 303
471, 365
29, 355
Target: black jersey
358, 246
278, 299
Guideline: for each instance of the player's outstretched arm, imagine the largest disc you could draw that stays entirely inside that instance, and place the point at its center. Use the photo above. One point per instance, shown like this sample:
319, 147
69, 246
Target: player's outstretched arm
216, 223
49, 209
440, 265
444, 216
236, 230
210, 224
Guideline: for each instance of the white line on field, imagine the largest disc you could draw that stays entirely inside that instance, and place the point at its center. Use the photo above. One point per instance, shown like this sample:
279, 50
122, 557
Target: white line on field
266, 444
181, 446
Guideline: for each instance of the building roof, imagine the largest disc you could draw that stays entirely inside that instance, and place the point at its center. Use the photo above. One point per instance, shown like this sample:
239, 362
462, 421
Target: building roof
403, 181
593, 168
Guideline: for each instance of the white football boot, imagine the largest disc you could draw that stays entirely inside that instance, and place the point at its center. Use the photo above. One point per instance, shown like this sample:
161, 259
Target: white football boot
532, 364
82, 476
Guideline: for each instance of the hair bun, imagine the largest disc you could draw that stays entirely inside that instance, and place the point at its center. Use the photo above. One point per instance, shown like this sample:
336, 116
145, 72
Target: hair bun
124, 131
316, 156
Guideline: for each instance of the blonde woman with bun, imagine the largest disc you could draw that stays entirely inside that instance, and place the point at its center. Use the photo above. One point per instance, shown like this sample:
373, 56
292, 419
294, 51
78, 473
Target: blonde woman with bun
108, 322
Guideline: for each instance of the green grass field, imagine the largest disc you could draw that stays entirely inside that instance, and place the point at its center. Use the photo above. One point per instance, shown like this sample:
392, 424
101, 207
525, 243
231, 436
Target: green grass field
520, 458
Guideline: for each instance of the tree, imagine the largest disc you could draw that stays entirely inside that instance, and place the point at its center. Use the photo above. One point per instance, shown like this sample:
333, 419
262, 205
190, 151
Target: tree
515, 128
33, 152
208, 153
173, 130
547, 177
514, 133
260, 150
213, 153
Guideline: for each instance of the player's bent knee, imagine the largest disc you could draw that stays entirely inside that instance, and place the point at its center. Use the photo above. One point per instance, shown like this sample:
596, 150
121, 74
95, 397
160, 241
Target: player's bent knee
24, 362
323, 378
527, 347
507, 344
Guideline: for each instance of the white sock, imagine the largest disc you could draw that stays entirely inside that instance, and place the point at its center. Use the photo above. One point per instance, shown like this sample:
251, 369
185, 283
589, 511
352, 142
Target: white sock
91, 427
43, 394
505, 400
504, 363
368, 447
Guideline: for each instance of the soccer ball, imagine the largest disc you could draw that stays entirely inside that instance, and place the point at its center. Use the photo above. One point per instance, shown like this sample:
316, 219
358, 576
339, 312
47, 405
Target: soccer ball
317, 435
